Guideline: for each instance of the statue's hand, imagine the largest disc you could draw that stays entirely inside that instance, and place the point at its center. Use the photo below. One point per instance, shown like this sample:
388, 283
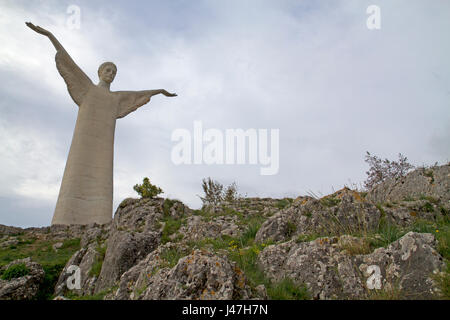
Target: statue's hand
38, 29
168, 94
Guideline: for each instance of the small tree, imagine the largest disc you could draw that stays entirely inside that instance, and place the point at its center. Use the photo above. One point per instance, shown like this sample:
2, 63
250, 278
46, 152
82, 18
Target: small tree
213, 192
230, 194
381, 170
146, 189
216, 194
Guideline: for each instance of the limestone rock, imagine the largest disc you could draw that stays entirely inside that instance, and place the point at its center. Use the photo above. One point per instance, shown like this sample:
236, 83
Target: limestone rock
197, 227
432, 182
134, 281
25, 287
123, 251
404, 269
10, 231
200, 275
83, 259
340, 213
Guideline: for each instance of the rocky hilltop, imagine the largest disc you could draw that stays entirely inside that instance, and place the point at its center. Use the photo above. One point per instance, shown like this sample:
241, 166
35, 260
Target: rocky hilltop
388, 243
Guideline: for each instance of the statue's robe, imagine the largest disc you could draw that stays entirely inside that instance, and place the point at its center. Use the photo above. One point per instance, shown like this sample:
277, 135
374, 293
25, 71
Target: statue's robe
86, 193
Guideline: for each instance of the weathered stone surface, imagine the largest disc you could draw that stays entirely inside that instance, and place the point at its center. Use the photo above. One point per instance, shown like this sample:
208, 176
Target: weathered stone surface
123, 251
406, 267
197, 227
25, 287
343, 212
432, 182
407, 212
134, 234
134, 281
84, 259
9, 231
200, 275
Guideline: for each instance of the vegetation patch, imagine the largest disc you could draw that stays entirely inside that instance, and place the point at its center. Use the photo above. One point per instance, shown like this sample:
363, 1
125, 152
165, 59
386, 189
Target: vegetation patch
98, 264
42, 252
286, 289
330, 201
284, 203
15, 271
172, 256
171, 226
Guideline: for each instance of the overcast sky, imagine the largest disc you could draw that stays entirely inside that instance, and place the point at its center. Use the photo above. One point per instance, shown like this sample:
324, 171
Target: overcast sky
311, 69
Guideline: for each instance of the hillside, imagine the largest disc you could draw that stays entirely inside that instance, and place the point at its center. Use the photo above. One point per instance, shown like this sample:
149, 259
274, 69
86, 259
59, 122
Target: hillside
389, 243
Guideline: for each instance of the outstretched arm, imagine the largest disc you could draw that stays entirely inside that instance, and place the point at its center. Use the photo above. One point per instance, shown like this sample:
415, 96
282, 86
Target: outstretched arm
158, 91
78, 83
46, 33
129, 101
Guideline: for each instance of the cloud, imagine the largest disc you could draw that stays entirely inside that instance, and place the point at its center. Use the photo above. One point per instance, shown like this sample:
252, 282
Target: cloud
311, 69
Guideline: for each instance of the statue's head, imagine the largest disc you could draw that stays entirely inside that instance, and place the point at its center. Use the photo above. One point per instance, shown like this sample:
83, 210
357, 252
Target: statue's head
107, 72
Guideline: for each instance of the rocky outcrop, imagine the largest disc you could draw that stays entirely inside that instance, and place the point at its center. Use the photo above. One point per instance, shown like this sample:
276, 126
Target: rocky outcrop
24, 287
200, 275
197, 227
405, 268
134, 234
83, 260
421, 183
347, 245
341, 213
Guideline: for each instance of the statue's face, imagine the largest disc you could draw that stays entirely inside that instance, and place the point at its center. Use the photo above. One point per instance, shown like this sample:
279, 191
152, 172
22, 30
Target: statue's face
108, 73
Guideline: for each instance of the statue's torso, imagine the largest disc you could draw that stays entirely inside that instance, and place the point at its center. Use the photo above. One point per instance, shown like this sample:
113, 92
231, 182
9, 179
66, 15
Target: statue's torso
87, 186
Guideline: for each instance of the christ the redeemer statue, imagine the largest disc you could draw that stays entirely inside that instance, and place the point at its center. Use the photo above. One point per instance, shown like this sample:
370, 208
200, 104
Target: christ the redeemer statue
86, 193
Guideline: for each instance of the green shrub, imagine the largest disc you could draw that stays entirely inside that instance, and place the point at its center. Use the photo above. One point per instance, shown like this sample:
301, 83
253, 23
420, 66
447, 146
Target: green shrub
172, 256
98, 264
15, 271
170, 227
283, 203
146, 189
286, 289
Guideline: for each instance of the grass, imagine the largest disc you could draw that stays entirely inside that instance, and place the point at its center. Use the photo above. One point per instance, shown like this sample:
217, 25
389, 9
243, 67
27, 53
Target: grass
97, 296
98, 264
330, 201
167, 205
172, 256
284, 203
286, 289
429, 173
393, 293
171, 226
443, 282
42, 252
15, 271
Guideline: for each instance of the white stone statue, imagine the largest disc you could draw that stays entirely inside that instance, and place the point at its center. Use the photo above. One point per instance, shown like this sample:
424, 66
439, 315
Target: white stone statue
86, 193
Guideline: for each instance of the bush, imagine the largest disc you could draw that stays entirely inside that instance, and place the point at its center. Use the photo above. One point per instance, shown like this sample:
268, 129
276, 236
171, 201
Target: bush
215, 193
146, 189
15, 271
381, 170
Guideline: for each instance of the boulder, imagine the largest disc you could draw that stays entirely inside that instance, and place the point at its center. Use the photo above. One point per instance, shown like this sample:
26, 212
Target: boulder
403, 270
431, 182
24, 287
84, 259
200, 275
340, 213
123, 251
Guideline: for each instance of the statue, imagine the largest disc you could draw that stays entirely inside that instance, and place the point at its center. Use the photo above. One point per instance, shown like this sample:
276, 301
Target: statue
86, 193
